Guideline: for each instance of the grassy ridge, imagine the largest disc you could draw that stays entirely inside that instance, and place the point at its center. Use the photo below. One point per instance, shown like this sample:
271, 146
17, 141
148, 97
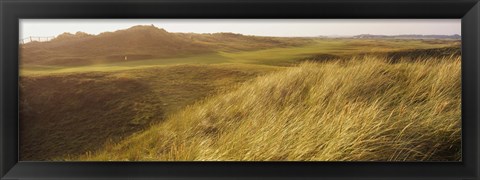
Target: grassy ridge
71, 113
366, 109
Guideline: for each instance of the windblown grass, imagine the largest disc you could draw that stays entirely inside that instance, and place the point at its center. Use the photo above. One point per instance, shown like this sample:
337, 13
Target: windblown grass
365, 109
72, 113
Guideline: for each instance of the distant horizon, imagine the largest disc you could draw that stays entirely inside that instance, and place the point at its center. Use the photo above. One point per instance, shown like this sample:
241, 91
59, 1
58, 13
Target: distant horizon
256, 27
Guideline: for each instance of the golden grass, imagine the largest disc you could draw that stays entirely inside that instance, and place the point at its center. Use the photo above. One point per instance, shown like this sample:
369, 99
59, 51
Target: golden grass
72, 112
365, 109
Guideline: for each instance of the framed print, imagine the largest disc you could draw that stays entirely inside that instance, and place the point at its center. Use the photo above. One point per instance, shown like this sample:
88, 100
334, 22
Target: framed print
239, 89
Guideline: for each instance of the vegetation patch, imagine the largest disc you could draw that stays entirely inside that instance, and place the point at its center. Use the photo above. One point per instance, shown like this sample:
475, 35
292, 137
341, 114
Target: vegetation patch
366, 109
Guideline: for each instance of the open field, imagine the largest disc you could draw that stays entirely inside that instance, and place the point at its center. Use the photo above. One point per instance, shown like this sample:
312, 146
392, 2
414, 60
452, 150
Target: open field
225, 96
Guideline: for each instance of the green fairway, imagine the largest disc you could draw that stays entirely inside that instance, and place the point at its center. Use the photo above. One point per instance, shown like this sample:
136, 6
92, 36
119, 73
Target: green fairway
337, 47
126, 65
273, 56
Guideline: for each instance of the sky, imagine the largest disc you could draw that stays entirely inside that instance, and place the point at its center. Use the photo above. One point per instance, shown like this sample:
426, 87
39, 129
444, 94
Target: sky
259, 27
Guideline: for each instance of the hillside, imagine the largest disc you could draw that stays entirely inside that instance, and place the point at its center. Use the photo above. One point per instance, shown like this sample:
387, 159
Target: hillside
139, 43
365, 109
71, 113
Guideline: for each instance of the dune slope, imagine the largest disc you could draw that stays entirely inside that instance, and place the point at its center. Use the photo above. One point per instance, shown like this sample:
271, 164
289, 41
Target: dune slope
366, 109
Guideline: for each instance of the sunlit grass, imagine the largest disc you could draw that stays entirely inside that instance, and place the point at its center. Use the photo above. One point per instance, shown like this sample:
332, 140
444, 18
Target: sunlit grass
365, 109
71, 113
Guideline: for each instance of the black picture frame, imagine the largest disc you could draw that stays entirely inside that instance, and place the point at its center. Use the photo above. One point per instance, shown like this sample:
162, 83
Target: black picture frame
13, 10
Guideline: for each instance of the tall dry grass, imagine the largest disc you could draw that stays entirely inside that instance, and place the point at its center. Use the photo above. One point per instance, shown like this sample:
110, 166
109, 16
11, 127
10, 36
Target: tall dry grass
365, 109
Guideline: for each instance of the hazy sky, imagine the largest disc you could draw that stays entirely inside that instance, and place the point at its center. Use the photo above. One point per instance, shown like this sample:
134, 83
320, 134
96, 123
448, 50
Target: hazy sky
262, 27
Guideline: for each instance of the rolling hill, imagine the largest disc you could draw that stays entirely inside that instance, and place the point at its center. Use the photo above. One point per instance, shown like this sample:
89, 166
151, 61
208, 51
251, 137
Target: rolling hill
138, 43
